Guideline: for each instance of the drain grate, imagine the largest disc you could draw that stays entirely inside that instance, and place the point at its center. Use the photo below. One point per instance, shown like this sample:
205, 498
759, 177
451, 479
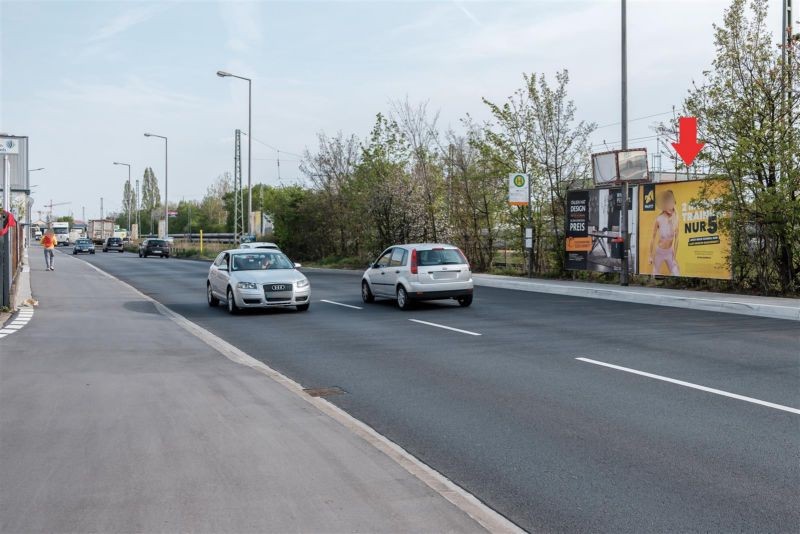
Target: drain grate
325, 392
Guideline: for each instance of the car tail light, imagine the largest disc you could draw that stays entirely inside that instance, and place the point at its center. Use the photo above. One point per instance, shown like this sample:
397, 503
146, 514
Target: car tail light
414, 269
469, 267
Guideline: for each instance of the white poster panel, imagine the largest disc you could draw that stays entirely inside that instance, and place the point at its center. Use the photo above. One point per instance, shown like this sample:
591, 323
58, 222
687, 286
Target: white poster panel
518, 189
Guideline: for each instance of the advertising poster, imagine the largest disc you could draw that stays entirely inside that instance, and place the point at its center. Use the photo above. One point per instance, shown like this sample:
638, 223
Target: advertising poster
678, 237
593, 238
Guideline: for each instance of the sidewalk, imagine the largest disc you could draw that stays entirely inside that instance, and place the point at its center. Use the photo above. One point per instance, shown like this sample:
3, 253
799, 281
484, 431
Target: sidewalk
116, 419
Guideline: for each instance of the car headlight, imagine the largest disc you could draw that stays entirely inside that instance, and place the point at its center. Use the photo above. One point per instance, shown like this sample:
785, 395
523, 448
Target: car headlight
247, 285
302, 283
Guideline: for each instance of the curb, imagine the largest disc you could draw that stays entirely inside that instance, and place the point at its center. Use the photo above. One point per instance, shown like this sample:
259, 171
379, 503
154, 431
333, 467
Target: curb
459, 497
736, 304
740, 307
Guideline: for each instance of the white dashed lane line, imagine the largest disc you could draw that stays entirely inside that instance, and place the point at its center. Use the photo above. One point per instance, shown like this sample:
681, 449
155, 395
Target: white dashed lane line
341, 304
694, 386
446, 327
21, 319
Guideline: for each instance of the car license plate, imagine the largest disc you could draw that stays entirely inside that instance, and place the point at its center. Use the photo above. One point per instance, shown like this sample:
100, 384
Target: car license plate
445, 275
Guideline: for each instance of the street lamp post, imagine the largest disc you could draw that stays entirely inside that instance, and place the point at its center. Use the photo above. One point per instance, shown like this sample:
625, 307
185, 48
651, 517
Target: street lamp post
166, 181
223, 74
127, 200
623, 277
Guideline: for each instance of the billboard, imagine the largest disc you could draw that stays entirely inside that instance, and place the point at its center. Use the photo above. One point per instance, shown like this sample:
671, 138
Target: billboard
610, 168
679, 236
593, 238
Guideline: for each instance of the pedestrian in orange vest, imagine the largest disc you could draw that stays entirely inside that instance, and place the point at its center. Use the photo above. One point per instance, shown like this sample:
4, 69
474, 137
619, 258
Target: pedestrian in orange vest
49, 244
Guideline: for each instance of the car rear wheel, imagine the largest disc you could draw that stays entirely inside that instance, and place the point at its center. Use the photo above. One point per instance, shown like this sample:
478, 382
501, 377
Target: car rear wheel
212, 300
303, 307
366, 292
233, 309
465, 301
403, 302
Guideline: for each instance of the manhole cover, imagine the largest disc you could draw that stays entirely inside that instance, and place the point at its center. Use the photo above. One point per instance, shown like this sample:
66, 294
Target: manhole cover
325, 392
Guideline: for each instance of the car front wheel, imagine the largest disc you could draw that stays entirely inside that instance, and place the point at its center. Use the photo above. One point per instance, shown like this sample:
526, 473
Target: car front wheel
303, 307
212, 300
366, 292
403, 302
465, 301
233, 309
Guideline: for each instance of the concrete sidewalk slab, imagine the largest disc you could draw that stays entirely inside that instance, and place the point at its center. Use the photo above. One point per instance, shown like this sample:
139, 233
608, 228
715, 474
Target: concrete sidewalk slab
115, 419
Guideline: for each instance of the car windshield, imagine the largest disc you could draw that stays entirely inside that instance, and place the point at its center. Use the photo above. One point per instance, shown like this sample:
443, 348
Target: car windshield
442, 256
61, 230
259, 261
82, 242
156, 243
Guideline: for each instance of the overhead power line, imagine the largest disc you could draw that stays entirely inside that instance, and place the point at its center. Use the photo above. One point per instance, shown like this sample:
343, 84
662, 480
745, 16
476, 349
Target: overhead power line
631, 120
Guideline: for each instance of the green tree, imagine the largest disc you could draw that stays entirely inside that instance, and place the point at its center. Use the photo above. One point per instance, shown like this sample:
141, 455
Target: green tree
535, 132
128, 203
747, 111
151, 200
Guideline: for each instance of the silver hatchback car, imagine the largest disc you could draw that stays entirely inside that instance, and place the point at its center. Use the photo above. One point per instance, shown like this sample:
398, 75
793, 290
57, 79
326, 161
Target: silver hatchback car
256, 278
422, 271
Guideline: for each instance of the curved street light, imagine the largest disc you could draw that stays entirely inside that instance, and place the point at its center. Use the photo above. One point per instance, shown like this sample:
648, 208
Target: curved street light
223, 74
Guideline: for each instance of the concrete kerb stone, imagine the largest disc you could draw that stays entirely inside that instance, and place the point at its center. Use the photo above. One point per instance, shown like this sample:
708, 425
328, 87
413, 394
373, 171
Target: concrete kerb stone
696, 300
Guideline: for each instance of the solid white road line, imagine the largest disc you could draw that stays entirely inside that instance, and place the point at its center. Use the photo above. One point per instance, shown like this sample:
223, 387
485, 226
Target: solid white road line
446, 327
695, 386
342, 304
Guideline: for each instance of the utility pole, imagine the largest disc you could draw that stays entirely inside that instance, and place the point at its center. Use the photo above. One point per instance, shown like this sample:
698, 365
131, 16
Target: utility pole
101, 207
623, 227
83, 213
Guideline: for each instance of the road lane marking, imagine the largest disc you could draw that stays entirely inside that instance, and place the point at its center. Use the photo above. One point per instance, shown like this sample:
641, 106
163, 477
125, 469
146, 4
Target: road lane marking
446, 327
694, 386
342, 304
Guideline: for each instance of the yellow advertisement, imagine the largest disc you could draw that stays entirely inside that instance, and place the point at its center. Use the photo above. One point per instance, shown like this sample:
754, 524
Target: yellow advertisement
678, 237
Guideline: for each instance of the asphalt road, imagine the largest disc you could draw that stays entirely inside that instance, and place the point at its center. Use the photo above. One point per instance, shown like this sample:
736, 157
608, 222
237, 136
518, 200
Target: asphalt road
550, 441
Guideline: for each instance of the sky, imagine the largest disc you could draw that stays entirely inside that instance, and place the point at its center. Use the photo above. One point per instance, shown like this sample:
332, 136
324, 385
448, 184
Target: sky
86, 80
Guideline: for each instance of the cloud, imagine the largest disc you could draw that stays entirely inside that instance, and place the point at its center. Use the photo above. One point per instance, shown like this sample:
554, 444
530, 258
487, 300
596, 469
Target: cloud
243, 24
125, 21
471, 16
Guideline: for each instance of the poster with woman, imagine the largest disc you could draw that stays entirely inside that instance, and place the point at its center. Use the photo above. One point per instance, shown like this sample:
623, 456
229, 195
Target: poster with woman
679, 230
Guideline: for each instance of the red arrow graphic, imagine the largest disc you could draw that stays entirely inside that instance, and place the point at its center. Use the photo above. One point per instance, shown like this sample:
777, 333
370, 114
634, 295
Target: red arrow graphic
687, 146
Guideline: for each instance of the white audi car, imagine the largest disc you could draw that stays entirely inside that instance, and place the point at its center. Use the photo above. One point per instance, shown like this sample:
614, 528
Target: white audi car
257, 278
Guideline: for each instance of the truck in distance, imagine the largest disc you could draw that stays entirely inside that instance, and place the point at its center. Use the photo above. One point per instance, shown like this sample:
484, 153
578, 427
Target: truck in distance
99, 230
61, 231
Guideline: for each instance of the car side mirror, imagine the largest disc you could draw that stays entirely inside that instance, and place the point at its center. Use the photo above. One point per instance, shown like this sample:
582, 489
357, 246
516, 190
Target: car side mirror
298, 265
375, 265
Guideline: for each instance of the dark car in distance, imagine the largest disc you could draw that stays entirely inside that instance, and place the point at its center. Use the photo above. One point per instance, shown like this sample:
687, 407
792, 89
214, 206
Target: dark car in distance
114, 243
154, 247
83, 245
